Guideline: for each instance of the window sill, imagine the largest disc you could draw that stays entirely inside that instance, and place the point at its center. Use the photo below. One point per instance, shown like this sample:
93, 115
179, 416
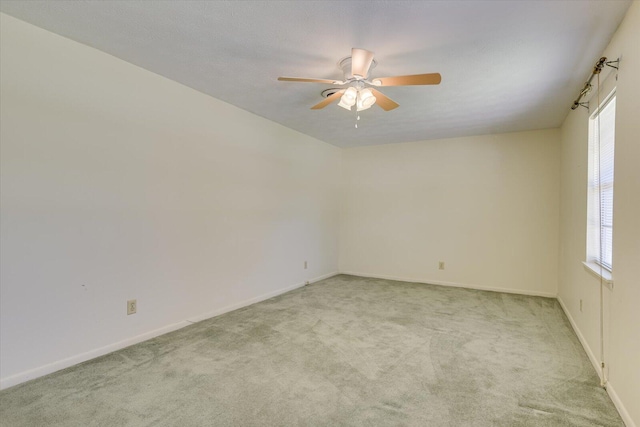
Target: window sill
600, 273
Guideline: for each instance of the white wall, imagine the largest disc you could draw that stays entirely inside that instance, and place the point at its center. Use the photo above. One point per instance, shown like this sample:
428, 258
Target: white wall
622, 317
486, 205
118, 183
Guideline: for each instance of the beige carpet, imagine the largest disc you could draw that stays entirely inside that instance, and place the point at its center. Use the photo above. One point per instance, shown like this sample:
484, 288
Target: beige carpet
346, 351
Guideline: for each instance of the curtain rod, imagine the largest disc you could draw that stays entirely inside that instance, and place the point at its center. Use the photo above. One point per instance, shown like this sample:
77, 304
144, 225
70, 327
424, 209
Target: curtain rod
587, 86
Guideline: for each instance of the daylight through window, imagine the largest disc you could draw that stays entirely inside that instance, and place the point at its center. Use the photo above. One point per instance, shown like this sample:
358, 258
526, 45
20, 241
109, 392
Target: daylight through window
600, 187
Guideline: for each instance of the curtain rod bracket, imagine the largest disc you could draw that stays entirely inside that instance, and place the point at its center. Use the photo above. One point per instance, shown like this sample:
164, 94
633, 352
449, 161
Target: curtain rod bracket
610, 63
580, 104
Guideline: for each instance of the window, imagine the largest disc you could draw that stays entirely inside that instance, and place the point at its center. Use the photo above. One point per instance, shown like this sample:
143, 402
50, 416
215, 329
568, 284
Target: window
600, 185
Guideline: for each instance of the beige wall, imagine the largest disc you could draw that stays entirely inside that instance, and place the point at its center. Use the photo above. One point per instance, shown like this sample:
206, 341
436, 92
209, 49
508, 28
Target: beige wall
622, 316
486, 205
118, 183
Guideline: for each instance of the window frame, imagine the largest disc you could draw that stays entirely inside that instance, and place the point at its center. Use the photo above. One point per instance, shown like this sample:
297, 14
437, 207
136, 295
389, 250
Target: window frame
596, 206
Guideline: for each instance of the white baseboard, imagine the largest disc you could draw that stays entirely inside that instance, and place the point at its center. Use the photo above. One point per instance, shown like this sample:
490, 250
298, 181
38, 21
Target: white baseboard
83, 357
624, 414
324, 276
92, 354
454, 284
245, 303
592, 356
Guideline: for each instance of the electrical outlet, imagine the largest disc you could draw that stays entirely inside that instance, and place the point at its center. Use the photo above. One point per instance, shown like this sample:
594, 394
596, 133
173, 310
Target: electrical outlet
132, 306
305, 265
580, 306
441, 265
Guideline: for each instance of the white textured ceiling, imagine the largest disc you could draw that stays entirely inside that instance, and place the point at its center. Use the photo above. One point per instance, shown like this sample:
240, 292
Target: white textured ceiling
506, 65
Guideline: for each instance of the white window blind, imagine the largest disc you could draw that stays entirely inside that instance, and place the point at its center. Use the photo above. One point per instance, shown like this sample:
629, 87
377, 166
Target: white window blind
600, 186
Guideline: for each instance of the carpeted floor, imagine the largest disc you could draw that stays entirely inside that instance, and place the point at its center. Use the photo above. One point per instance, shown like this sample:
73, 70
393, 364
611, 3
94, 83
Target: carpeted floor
346, 351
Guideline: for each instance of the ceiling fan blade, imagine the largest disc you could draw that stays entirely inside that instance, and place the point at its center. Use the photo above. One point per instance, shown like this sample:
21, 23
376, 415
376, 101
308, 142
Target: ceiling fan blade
304, 79
384, 101
416, 79
360, 62
328, 100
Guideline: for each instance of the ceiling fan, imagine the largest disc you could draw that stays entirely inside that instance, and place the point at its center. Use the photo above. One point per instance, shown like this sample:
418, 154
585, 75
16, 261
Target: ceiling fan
361, 90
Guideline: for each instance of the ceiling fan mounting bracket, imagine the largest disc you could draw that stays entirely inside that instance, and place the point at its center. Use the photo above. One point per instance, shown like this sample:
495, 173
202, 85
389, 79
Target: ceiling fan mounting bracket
328, 92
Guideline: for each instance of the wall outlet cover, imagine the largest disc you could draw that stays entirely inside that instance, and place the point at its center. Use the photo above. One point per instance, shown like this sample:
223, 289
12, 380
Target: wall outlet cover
132, 306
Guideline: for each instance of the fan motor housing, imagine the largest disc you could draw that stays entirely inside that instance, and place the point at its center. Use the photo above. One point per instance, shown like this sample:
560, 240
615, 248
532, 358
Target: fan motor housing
345, 65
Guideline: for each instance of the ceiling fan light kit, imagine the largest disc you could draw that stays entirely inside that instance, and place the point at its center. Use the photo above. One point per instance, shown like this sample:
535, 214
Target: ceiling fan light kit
365, 99
348, 99
361, 98
356, 69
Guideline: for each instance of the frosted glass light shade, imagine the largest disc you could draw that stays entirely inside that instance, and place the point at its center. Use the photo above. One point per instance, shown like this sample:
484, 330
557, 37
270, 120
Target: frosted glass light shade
365, 99
343, 105
348, 99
